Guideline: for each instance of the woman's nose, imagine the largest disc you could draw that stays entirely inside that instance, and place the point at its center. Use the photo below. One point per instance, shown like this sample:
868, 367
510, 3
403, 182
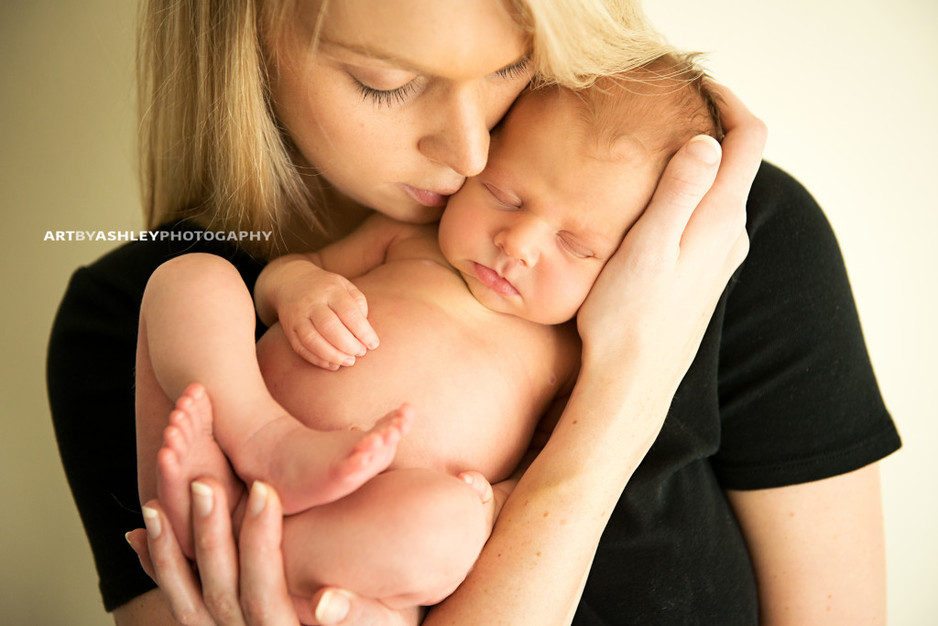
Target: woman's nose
461, 139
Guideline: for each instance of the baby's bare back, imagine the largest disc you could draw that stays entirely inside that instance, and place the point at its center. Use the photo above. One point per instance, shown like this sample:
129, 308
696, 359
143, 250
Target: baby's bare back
478, 380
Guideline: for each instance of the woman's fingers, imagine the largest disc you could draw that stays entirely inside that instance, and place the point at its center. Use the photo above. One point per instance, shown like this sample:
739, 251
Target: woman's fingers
702, 194
264, 595
683, 185
215, 552
337, 607
259, 598
138, 541
172, 570
743, 146
744, 141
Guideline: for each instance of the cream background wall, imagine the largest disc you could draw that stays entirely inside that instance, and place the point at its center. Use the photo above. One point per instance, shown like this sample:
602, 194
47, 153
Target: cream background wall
848, 90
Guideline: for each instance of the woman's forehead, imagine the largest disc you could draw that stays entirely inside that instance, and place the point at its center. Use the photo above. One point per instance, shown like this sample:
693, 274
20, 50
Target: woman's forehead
455, 39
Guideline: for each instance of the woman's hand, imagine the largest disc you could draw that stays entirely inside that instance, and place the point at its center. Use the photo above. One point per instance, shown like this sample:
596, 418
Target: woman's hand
656, 295
243, 584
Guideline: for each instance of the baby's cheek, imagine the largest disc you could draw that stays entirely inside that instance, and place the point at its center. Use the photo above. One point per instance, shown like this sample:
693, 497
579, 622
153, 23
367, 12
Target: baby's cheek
563, 295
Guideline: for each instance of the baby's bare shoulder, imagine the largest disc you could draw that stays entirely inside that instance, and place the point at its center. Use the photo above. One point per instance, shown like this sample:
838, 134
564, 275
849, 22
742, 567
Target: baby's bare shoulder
416, 242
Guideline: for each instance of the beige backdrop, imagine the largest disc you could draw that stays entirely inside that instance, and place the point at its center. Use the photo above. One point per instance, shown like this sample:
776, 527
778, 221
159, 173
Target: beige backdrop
848, 90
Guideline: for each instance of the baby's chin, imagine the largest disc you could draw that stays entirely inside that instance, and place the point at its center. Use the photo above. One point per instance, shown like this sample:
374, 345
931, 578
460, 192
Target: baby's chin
517, 306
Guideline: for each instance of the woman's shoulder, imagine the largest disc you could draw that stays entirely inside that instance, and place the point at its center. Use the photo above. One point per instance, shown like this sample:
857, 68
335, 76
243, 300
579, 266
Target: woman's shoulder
778, 201
791, 239
799, 397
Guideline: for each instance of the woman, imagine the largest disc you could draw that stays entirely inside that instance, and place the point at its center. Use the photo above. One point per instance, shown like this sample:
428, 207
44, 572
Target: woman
771, 433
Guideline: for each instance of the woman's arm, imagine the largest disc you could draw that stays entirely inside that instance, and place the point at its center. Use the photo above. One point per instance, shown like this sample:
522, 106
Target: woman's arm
818, 549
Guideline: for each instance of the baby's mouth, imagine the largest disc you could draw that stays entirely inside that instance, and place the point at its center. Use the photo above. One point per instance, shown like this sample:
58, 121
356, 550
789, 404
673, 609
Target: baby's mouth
493, 280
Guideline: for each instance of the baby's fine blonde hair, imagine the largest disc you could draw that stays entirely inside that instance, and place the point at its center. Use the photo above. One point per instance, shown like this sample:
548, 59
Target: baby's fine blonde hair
211, 149
667, 101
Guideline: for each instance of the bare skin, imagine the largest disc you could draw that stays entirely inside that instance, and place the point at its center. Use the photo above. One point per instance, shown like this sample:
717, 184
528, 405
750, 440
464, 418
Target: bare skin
497, 284
488, 431
323, 465
190, 451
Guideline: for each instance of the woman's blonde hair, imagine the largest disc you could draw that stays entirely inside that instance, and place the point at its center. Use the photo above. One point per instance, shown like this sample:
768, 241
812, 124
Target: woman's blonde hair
573, 43
211, 149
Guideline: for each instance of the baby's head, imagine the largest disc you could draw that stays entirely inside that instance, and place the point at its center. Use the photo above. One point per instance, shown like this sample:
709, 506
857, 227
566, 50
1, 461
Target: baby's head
567, 176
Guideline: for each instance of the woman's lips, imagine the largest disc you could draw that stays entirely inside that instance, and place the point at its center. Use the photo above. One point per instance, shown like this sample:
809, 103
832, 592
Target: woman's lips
433, 199
491, 279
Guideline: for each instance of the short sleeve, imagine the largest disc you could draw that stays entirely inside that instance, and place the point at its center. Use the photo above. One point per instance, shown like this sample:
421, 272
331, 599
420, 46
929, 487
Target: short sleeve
798, 396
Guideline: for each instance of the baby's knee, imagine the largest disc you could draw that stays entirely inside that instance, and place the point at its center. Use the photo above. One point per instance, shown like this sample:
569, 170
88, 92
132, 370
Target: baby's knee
406, 536
192, 275
193, 267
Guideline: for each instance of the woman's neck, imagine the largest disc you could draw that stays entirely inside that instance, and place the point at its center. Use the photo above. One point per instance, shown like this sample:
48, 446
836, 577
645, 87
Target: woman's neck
340, 216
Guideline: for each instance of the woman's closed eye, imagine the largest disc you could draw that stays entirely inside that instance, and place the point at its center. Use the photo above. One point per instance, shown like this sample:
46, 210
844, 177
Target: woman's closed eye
515, 70
387, 97
386, 87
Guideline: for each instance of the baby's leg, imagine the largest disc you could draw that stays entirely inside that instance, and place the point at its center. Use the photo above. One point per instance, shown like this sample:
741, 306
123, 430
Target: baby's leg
197, 323
406, 537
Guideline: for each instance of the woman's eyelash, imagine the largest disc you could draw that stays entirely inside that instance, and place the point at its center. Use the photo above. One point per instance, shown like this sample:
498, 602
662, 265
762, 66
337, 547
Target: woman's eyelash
391, 97
387, 97
515, 70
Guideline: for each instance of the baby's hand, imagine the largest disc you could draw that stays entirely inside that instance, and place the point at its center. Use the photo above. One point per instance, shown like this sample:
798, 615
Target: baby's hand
325, 319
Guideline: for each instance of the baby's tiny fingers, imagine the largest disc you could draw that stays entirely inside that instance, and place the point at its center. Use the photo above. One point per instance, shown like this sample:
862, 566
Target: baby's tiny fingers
356, 322
331, 326
312, 347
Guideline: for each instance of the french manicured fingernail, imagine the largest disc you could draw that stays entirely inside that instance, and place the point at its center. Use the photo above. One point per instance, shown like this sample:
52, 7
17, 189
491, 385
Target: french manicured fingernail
202, 499
258, 498
349, 360
333, 607
704, 148
151, 519
127, 538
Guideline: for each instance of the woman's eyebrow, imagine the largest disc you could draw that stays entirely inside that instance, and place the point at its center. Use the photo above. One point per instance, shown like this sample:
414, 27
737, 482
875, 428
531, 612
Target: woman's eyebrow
404, 64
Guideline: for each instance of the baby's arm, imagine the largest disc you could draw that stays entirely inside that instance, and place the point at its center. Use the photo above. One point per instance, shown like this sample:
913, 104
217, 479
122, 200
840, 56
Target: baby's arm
323, 314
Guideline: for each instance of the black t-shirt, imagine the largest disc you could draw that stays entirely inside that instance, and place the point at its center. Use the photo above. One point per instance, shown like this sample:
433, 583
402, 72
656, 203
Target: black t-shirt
781, 392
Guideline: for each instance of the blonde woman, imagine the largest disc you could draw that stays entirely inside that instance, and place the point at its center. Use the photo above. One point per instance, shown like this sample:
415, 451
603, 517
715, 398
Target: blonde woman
759, 498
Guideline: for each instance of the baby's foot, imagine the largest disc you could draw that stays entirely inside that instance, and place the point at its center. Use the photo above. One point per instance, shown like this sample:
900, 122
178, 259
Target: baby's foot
310, 467
189, 452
